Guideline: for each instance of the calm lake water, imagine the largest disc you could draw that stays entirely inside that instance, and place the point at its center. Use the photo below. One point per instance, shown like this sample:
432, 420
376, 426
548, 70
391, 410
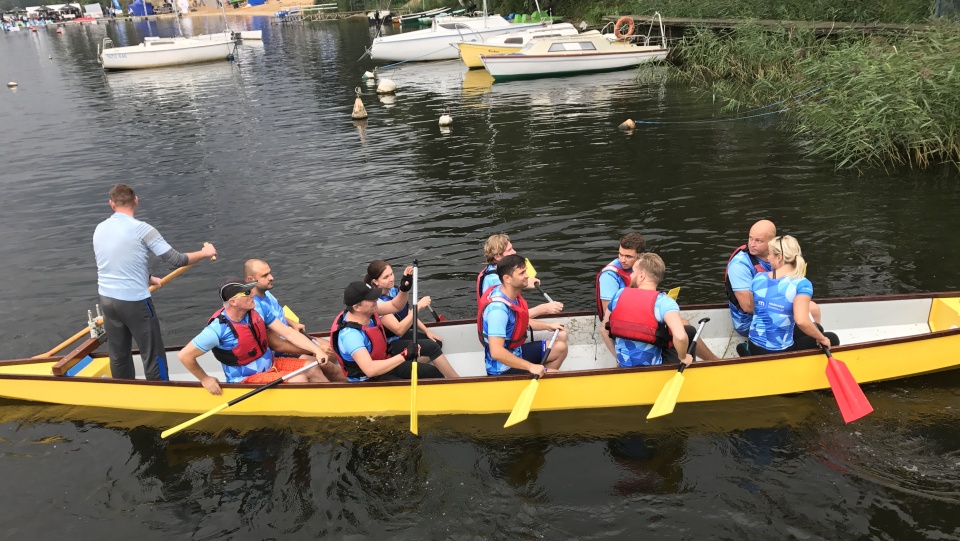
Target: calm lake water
261, 158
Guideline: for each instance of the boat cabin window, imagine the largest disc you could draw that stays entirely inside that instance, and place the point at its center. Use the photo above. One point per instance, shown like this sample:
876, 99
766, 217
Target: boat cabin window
515, 41
572, 46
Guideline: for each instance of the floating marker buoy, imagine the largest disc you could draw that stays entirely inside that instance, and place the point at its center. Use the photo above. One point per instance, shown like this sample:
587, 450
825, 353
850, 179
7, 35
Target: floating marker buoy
628, 125
50, 57
367, 75
359, 112
386, 86
446, 119
11, 84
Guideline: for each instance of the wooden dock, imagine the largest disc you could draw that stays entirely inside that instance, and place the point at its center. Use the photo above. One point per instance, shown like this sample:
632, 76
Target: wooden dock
676, 26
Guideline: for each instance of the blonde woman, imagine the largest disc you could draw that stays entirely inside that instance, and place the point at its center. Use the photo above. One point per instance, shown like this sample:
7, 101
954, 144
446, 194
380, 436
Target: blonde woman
782, 304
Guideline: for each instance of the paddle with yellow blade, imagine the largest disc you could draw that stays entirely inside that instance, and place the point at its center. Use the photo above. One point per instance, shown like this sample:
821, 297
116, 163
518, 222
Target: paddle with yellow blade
674, 293
288, 313
414, 425
531, 274
80, 334
850, 398
522, 408
667, 399
221, 407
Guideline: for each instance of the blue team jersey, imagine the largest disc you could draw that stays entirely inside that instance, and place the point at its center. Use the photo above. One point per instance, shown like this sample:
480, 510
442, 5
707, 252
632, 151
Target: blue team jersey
634, 353
349, 341
610, 281
491, 279
740, 272
389, 296
218, 335
498, 321
772, 325
269, 308
121, 244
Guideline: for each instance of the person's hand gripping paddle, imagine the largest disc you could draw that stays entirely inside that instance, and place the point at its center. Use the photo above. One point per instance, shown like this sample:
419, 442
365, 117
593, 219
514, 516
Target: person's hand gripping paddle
522, 408
667, 399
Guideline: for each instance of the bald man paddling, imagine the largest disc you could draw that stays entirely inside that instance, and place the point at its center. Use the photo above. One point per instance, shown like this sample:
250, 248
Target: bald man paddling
744, 263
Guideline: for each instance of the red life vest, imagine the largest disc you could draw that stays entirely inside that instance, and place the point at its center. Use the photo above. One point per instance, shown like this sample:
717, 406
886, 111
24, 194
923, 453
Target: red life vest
633, 318
521, 317
376, 334
731, 295
251, 339
487, 271
624, 275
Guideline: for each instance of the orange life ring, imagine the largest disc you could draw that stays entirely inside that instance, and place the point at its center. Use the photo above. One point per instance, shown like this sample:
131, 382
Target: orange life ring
620, 22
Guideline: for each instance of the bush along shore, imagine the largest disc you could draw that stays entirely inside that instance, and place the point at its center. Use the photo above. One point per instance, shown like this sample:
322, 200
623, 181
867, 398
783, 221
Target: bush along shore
859, 100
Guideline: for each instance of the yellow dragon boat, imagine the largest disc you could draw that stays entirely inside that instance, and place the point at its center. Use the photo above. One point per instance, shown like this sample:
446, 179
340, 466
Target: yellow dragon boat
882, 338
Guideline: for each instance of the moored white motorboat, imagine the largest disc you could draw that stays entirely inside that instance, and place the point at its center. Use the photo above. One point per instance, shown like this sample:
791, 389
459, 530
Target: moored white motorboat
158, 52
590, 52
510, 43
438, 42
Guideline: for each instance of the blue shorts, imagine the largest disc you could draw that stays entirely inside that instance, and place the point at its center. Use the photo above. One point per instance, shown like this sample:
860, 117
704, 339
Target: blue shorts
532, 352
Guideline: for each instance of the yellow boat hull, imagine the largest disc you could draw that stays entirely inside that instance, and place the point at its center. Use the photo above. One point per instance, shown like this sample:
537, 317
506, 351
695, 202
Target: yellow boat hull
470, 52
929, 344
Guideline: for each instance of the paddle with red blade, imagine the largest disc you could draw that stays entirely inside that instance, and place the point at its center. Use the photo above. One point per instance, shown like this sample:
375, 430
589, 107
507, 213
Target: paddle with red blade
850, 398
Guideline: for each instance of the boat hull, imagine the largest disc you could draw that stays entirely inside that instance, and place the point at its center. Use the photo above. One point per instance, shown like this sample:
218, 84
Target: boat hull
893, 338
166, 53
437, 43
517, 66
470, 52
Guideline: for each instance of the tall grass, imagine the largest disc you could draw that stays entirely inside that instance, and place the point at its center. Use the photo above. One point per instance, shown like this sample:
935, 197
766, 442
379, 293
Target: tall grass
877, 100
890, 11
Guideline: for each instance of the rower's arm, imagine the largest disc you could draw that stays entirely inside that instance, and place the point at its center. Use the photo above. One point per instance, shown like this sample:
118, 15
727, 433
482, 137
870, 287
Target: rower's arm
745, 298
395, 305
297, 339
680, 340
374, 368
278, 344
396, 326
503, 355
188, 357
801, 318
604, 333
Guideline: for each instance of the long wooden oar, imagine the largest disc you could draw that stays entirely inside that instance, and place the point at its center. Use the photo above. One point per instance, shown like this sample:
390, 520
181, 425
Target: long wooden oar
522, 408
667, 400
79, 335
414, 424
221, 407
850, 398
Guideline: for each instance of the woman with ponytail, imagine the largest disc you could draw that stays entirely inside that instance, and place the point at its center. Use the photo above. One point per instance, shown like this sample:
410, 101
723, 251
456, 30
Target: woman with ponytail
782, 301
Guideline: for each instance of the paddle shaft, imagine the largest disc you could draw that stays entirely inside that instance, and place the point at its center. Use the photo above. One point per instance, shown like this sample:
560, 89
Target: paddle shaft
692, 350
414, 422
436, 316
544, 293
79, 335
239, 399
546, 354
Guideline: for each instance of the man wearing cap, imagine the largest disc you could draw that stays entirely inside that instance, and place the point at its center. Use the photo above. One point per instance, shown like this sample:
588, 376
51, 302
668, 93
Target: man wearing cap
238, 337
258, 272
358, 338
121, 244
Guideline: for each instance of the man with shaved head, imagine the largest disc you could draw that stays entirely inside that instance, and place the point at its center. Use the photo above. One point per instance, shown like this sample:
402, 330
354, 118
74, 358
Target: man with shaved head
745, 262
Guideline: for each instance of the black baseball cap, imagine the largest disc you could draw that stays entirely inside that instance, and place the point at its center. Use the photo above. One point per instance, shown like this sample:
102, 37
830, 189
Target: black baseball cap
234, 286
357, 292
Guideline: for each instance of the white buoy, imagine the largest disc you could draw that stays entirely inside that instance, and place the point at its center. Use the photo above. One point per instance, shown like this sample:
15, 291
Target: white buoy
628, 124
50, 57
11, 84
446, 119
359, 112
386, 86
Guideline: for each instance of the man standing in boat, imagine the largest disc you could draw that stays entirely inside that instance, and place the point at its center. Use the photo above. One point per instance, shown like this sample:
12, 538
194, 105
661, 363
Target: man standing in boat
238, 337
642, 320
502, 323
258, 272
744, 263
122, 245
496, 247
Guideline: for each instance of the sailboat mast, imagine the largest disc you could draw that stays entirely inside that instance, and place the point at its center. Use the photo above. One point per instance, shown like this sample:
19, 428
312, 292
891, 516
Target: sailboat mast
176, 16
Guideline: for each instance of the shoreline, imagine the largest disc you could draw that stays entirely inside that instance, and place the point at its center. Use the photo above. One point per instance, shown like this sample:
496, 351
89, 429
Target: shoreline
268, 9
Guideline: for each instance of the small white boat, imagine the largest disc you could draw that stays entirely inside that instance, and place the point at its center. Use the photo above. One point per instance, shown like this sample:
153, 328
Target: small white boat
510, 43
590, 52
439, 41
250, 35
158, 52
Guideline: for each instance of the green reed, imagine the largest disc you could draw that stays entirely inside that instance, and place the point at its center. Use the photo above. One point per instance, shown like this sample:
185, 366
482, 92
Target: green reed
880, 100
